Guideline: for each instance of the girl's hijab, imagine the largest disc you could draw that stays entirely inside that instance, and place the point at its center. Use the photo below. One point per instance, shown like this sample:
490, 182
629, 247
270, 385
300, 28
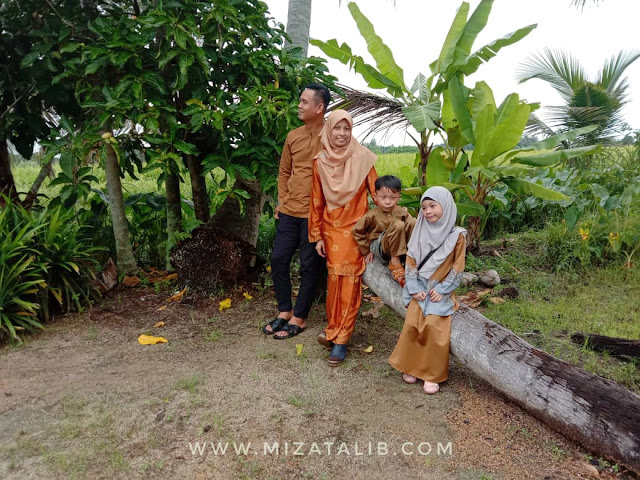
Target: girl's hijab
440, 236
342, 169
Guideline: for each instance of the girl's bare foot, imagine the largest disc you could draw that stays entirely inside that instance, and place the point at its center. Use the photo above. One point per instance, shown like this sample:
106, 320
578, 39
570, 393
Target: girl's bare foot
431, 388
409, 378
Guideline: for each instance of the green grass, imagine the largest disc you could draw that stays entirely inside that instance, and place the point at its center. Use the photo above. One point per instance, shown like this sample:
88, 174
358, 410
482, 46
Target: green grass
551, 307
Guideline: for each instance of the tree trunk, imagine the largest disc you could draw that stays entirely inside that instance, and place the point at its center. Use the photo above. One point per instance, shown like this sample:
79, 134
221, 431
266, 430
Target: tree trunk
174, 212
424, 150
46, 170
473, 228
126, 261
198, 189
7, 183
597, 413
619, 347
299, 24
229, 219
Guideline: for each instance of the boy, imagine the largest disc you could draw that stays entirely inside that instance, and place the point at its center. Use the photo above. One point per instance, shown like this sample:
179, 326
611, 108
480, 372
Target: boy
385, 229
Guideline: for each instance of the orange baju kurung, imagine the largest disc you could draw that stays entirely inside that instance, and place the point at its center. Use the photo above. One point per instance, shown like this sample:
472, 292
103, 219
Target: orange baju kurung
345, 263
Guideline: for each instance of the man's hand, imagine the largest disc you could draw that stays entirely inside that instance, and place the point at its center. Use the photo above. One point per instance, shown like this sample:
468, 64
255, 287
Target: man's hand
368, 258
320, 249
277, 214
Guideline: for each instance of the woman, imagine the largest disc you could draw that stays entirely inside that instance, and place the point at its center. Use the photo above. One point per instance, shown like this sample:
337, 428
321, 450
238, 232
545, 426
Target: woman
342, 174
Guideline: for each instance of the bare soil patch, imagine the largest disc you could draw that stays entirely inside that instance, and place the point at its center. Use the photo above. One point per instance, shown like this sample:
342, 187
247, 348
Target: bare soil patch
85, 400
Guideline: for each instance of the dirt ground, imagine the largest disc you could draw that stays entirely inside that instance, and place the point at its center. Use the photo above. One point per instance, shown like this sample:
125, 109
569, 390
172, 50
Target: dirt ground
85, 400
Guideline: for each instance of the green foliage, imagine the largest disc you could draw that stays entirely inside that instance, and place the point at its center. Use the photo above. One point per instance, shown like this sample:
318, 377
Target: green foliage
45, 261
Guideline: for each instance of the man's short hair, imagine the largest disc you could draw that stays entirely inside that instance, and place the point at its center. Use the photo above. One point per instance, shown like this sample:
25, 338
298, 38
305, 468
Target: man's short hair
321, 93
389, 181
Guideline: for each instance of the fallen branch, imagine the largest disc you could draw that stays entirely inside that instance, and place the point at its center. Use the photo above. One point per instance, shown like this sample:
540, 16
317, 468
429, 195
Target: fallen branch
620, 347
596, 412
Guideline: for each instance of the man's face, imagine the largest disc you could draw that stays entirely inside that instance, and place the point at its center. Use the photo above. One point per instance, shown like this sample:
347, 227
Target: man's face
309, 108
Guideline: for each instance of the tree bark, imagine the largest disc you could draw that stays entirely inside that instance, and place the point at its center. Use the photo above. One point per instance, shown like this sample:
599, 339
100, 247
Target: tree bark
198, 189
126, 261
597, 413
299, 24
7, 183
174, 212
229, 219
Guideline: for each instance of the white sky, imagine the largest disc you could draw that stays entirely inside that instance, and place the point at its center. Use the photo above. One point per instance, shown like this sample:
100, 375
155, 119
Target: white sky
415, 30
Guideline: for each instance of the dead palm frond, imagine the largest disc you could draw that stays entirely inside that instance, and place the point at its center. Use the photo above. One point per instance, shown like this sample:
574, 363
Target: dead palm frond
377, 112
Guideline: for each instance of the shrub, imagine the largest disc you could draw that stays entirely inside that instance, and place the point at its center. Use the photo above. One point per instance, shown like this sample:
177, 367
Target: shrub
46, 260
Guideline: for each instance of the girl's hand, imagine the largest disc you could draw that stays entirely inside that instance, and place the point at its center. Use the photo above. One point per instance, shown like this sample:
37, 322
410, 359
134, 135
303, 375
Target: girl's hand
320, 249
419, 296
368, 258
434, 296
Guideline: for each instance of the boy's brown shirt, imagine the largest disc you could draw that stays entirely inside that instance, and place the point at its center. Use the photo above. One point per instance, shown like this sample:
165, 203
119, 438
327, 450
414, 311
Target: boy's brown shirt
373, 223
296, 170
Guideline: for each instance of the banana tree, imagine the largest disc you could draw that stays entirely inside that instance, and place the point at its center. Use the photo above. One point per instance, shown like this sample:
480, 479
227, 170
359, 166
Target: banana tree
471, 117
420, 104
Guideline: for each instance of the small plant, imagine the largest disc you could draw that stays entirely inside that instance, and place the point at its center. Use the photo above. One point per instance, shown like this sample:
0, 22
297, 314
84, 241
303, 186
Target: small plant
214, 335
190, 384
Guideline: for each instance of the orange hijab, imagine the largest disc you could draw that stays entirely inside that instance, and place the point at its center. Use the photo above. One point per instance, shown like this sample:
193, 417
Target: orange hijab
342, 169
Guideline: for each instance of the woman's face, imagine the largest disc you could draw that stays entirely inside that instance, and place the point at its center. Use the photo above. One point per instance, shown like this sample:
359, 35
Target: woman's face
341, 134
431, 210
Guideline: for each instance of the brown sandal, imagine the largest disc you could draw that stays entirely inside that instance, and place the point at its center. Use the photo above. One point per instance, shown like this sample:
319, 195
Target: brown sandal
397, 272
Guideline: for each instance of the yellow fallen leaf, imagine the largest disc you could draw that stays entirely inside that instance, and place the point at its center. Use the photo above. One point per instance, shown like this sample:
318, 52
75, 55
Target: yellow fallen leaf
496, 300
269, 269
299, 348
158, 324
247, 296
224, 304
369, 349
178, 295
170, 277
151, 340
159, 309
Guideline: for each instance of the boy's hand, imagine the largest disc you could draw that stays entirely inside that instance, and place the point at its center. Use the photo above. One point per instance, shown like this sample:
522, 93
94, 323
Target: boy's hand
434, 296
368, 258
320, 249
419, 296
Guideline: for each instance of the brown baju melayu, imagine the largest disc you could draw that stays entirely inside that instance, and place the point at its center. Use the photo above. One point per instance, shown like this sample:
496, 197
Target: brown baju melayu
397, 226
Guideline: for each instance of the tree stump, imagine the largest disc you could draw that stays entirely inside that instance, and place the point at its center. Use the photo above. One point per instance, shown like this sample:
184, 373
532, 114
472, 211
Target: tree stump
212, 259
598, 413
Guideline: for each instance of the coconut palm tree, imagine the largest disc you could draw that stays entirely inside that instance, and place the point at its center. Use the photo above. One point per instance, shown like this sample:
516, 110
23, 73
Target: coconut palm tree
299, 24
587, 101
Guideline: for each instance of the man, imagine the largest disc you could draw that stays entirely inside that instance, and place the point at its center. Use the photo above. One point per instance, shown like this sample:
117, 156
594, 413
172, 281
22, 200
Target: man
294, 192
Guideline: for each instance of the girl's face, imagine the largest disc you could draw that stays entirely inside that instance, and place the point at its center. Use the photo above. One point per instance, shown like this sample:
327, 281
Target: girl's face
341, 134
431, 210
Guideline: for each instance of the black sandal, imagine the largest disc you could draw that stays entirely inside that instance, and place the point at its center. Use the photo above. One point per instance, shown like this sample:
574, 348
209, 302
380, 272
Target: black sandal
276, 325
291, 329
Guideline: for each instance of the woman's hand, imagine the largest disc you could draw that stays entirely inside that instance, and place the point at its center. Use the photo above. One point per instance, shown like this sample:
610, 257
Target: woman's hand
368, 258
419, 296
320, 249
434, 296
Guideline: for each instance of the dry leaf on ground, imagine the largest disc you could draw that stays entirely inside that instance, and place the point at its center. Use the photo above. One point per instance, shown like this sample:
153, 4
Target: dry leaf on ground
131, 281
158, 324
224, 304
151, 340
177, 296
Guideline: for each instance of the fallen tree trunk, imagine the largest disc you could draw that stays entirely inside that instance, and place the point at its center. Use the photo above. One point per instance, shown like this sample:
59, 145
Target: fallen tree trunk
620, 347
597, 413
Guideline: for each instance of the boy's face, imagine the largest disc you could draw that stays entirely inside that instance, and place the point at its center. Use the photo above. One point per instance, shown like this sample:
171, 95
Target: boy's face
386, 199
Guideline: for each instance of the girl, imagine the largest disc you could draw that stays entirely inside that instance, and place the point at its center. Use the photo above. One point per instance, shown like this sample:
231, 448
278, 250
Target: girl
435, 262
343, 173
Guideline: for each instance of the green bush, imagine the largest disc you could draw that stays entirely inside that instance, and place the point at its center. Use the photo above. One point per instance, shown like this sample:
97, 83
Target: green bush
46, 262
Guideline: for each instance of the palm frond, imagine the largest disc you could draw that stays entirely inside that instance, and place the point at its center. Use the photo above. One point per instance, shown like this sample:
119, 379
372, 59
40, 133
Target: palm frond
610, 77
535, 126
378, 112
556, 67
581, 3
